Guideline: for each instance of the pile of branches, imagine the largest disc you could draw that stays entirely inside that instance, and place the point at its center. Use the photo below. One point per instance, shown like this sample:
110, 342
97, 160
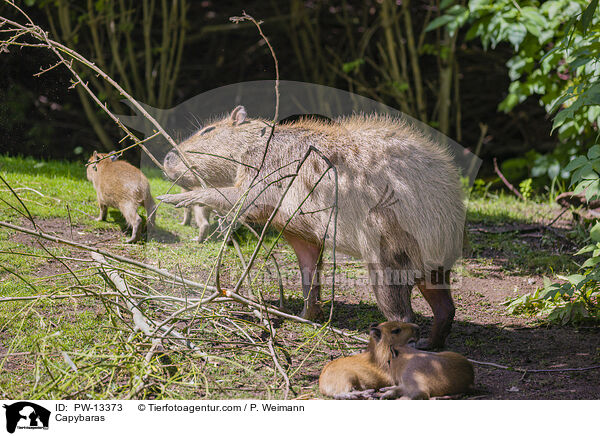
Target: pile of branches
170, 337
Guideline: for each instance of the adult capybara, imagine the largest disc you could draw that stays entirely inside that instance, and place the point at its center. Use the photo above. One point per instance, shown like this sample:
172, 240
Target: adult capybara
399, 201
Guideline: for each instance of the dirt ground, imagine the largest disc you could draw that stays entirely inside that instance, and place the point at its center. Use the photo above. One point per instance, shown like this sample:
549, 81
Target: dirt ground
482, 330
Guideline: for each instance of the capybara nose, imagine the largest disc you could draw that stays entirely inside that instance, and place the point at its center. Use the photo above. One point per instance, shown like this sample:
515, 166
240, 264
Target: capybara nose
171, 159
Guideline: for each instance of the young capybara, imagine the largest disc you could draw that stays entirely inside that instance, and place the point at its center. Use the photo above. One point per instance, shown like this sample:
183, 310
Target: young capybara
120, 185
354, 377
397, 195
420, 375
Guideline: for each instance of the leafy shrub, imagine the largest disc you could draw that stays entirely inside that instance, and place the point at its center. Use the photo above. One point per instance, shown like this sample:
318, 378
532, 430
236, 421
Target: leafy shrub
575, 302
555, 43
557, 57
525, 188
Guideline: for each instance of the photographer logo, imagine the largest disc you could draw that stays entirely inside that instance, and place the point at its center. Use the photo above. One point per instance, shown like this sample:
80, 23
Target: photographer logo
24, 415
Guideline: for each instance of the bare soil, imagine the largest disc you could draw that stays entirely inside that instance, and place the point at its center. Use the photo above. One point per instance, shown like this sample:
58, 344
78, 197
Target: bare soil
482, 330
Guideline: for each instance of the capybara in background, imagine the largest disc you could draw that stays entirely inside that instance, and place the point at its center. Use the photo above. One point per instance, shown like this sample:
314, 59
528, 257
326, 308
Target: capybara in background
120, 185
399, 202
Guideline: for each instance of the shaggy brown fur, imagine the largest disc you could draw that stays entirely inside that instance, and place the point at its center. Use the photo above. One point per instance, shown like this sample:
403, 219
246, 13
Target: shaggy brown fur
120, 185
400, 202
357, 376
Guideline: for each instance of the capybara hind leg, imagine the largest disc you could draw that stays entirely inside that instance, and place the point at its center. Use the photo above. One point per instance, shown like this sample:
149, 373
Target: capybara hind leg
201, 216
136, 231
134, 220
443, 309
309, 260
150, 210
393, 298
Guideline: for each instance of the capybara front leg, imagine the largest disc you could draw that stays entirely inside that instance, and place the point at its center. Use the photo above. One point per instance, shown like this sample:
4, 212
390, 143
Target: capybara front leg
201, 216
309, 260
392, 295
103, 210
187, 216
443, 309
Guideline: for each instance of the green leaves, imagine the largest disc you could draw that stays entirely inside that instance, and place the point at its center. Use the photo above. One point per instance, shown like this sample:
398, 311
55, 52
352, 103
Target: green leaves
595, 233
594, 152
454, 18
532, 15
557, 47
587, 16
576, 163
516, 34
353, 66
439, 22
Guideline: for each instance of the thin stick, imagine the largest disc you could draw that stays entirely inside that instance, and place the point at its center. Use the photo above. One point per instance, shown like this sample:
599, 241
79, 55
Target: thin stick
525, 370
506, 182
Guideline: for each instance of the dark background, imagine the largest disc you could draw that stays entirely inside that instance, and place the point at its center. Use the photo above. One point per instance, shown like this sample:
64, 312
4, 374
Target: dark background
43, 118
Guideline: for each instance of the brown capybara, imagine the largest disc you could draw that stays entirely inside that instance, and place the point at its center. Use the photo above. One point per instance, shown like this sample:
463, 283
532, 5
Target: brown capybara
120, 185
420, 375
353, 377
400, 203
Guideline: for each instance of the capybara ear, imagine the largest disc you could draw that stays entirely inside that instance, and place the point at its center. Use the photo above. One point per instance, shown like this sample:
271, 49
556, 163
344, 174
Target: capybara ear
375, 333
238, 115
95, 155
114, 157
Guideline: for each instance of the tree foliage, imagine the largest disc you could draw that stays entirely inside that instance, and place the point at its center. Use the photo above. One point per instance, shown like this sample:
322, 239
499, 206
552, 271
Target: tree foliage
557, 54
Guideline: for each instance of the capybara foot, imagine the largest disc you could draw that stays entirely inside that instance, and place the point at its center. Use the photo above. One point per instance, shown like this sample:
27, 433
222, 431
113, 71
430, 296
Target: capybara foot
430, 344
135, 236
356, 395
390, 393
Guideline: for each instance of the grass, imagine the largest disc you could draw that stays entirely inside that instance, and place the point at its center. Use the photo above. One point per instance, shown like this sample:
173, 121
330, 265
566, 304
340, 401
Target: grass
108, 354
521, 252
503, 208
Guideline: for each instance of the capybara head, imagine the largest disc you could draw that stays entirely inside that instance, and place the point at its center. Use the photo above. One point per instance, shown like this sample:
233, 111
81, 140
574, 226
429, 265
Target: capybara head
212, 151
95, 160
385, 336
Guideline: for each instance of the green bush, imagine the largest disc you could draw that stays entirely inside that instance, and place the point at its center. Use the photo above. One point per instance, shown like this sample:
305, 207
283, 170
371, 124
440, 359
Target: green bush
557, 55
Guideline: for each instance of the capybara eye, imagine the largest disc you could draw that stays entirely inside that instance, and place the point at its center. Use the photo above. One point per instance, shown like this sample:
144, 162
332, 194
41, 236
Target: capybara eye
397, 331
